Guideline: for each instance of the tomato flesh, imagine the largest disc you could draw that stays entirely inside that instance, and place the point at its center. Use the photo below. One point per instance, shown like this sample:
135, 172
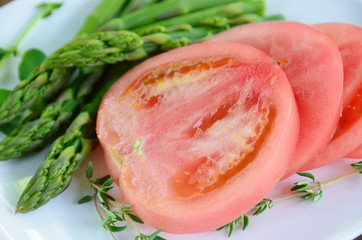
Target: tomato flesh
313, 65
187, 134
348, 136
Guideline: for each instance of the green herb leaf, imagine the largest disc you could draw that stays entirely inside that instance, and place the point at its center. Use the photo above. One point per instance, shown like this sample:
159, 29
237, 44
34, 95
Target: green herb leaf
357, 166
101, 180
3, 52
117, 228
154, 236
48, 8
89, 171
85, 199
30, 60
306, 174
310, 189
108, 183
4, 94
262, 206
135, 218
7, 128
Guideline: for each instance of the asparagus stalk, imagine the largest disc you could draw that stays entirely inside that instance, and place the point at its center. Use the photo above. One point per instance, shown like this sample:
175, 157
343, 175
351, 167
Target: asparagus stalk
227, 10
33, 135
70, 150
105, 11
66, 154
159, 11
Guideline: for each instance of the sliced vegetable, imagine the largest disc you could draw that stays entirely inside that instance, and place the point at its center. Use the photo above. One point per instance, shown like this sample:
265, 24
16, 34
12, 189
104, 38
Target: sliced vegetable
348, 136
313, 65
197, 136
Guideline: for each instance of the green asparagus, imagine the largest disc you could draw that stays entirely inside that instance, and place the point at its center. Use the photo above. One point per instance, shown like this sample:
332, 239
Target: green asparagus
162, 10
66, 154
36, 134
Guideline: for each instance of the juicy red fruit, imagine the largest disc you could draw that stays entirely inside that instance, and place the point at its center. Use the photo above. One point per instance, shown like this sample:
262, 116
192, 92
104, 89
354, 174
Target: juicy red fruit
312, 64
348, 136
189, 133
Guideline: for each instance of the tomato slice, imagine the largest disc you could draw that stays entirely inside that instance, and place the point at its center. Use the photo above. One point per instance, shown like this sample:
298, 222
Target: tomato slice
348, 136
313, 65
197, 136
356, 153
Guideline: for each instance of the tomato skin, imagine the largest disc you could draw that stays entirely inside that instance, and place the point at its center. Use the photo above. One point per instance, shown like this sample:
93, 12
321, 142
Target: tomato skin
313, 65
356, 153
148, 185
348, 136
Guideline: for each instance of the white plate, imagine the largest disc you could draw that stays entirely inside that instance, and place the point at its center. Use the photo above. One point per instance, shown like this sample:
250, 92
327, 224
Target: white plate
338, 215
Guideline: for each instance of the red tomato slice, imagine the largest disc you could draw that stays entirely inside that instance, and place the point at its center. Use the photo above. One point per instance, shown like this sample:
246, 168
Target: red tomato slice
348, 136
356, 153
197, 136
313, 65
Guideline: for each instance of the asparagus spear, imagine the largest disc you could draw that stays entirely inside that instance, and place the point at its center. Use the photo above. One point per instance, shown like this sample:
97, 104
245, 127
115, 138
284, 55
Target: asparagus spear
33, 135
159, 11
226, 10
66, 154
70, 150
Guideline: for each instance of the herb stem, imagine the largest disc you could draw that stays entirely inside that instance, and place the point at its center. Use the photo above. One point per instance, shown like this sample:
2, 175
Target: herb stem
96, 205
318, 185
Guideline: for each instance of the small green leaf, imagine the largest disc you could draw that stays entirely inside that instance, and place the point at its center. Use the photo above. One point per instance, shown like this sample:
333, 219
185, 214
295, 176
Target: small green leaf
317, 197
159, 238
299, 188
7, 128
108, 183
302, 183
245, 221
117, 228
48, 8
3, 52
85, 199
154, 235
306, 174
357, 166
30, 60
89, 171
135, 218
231, 230
4, 94
101, 180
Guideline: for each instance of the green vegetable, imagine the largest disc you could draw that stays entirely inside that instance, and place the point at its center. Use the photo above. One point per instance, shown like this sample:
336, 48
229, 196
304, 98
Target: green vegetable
165, 9
65, 155
106, 10
30, 60
36, 134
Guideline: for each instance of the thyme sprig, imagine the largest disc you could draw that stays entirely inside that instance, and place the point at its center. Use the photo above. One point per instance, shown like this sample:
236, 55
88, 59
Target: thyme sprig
116, 216
310, 189
263, 205
242, 221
